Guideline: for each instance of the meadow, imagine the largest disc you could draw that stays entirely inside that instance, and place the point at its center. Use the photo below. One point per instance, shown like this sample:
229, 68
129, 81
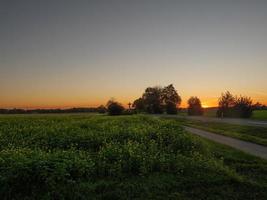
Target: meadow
124, 157
260, 114
257, 114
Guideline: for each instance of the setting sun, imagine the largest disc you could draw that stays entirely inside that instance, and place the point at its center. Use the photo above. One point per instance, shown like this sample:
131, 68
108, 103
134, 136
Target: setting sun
205, 106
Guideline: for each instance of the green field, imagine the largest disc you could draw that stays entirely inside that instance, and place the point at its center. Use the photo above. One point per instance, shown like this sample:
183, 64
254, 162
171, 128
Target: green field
125, 157
260, 114
211, 112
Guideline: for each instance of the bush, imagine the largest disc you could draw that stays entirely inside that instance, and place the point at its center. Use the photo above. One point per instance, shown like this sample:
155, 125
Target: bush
230, 106
114, 108
194, 107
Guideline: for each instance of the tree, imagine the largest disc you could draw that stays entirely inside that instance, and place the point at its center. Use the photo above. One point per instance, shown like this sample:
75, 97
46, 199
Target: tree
114, 108
153, 100
171, 108
226, 102
170, 99
194, 106
258, 106
243, 107
139, 104
230, 106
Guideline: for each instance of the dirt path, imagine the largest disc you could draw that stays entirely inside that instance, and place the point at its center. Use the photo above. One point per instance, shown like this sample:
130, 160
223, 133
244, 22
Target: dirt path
251, 148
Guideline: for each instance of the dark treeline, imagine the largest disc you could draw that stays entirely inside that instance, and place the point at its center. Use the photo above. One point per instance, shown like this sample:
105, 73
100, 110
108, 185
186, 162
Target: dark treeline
159, 100
236, 106
44, 111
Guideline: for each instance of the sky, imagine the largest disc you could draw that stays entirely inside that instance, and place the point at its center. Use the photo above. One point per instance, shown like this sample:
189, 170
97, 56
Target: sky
66, 53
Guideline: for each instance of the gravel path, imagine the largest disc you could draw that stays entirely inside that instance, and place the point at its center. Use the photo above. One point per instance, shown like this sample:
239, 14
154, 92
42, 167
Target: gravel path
251, 148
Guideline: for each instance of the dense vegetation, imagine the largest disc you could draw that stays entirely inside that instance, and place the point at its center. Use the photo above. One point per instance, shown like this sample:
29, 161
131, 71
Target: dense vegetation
194, 106
124, 157
233, 106
99, 109
114, 108
157, 100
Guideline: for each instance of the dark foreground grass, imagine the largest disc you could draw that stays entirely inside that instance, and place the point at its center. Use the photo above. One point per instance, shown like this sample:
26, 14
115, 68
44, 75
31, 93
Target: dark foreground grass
253, 134
128, 157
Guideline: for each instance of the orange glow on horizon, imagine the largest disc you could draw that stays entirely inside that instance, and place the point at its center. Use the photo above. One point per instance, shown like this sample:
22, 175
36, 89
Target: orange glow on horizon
36, 104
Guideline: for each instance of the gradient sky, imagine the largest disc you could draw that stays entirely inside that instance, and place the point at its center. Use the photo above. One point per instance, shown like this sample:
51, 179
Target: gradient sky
61, 53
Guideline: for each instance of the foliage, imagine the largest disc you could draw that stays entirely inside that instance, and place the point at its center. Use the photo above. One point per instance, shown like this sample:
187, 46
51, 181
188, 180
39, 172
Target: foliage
123, 157
114, 108
171, 108
243, 107
46, 111
230, 106
153, 100
170, 99
194, 106
139, 104
156, 100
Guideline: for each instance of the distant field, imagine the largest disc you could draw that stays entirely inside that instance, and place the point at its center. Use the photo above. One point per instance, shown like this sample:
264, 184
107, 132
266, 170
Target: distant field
260, 115
211, 112
208, 112
124, 157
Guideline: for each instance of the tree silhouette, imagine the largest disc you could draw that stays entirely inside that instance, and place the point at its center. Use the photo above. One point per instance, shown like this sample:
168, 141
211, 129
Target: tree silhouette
226, 103
170, 99
139, 104
230, 106
194, 106
157, 100
114, 108
243, 107
153, 100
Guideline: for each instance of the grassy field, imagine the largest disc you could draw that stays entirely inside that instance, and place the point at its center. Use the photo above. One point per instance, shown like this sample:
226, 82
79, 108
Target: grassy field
125, 157
260, 115
256, 135
211, 112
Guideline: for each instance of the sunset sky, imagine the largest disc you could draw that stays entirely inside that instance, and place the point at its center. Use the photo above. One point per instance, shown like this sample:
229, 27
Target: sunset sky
66, 53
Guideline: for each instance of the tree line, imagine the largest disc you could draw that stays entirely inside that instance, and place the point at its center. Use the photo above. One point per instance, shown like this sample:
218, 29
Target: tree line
47, 111
156, 100
159, 100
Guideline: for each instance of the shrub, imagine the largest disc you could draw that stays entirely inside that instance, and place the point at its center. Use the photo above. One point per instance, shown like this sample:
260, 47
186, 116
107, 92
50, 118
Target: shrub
194, 106
230, 106
114, 108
